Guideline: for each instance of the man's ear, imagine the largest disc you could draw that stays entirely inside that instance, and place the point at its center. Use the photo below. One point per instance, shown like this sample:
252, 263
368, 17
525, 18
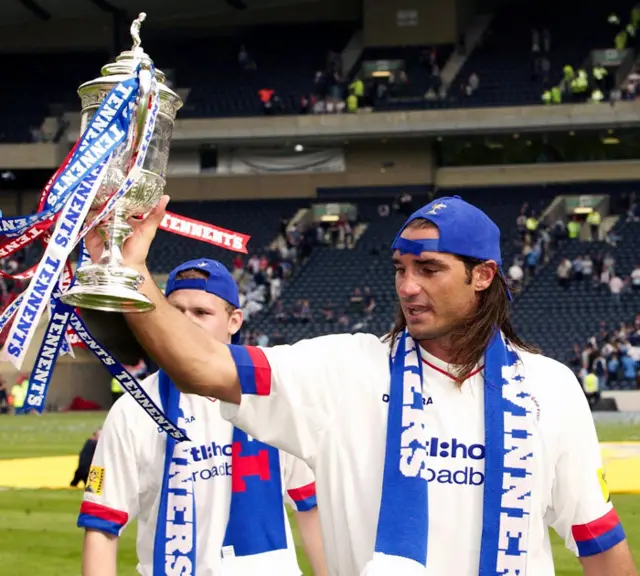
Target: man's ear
236, 318
483, 275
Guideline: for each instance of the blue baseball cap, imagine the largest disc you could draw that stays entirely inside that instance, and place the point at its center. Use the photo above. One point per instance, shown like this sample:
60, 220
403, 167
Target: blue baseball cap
464, 230
219, 283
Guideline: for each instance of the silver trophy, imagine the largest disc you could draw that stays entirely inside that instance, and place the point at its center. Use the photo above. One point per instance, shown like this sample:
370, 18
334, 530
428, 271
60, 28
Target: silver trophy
108, 285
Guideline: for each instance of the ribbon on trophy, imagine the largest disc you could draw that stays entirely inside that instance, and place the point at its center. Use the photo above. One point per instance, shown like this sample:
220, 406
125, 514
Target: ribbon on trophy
64, 205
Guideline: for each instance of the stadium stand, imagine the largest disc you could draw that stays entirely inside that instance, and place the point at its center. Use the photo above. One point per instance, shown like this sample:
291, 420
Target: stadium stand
505, 63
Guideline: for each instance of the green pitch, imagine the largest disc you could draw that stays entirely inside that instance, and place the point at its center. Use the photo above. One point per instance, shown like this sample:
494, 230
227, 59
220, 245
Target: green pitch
37, 527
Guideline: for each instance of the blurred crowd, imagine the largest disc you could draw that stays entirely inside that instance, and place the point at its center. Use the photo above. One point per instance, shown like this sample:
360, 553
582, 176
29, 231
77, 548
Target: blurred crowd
610, 359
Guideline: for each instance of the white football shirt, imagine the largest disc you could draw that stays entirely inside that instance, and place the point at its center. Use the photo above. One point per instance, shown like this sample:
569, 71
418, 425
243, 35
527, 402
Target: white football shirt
326, 401
129, 464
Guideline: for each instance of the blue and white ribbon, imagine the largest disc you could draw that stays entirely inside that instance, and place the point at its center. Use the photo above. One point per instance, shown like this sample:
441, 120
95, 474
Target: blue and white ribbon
47, 274
68, 232
126, 380
52, 344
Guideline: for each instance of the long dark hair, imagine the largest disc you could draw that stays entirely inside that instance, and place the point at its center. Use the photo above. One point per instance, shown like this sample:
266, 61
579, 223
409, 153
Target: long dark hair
470, 341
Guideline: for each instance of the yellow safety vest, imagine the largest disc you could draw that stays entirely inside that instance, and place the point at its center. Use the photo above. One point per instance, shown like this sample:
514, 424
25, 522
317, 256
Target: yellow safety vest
590, 383
594, 218
19, 393
115, 386
357, 87
573, 228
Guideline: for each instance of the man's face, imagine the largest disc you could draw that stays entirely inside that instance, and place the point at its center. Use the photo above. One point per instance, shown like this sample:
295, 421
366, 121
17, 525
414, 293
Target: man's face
435, 293
207, 311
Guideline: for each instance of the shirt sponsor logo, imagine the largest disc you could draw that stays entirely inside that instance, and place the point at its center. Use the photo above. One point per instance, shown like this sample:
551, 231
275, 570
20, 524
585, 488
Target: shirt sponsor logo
95, 480
453, 449
206, 453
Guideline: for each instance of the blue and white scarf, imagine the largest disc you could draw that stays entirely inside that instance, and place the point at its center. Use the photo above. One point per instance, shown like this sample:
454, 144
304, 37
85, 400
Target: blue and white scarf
256, 517
403, 524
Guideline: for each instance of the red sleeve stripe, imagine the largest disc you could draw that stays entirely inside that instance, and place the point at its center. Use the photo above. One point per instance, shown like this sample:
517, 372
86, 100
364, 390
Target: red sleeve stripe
254, 371
302, 493
597, 528
104, 512
262, 370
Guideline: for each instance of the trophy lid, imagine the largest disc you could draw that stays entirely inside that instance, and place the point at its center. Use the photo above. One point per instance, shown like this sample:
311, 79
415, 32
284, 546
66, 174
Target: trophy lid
125, 65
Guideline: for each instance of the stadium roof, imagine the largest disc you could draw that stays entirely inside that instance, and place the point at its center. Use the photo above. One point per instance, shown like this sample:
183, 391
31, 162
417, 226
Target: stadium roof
17, 12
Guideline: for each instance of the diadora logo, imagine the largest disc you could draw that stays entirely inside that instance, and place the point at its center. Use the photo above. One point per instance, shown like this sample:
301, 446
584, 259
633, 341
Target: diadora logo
425, 401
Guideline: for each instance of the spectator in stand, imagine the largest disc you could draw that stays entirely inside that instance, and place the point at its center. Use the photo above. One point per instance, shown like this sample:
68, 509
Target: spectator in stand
516, 274
405, 204
279, 312
532, 259
573, 228
563, 273
356, 301
587, 267
578, 269
344, 322
238, 267
328, 312
245, 60
266, 96
305, 312
369, 301
629, 372
262, 340
616, 285
593, 220
472, 84
635, 279
277, 339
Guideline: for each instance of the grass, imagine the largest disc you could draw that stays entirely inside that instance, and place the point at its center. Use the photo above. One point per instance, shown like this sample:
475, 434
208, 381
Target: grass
38, 527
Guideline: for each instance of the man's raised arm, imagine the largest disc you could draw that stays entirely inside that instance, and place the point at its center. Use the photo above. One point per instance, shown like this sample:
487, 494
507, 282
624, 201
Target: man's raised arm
194, 361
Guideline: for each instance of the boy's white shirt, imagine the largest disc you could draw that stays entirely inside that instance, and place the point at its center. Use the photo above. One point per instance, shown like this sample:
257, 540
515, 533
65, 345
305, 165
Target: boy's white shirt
131, 454
329, 399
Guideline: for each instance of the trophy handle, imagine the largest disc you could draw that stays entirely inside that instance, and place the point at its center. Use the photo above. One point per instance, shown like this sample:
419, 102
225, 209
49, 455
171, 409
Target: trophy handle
145, 78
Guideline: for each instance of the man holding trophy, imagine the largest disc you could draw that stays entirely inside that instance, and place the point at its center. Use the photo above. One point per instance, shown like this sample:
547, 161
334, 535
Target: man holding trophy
394, 502
208, 504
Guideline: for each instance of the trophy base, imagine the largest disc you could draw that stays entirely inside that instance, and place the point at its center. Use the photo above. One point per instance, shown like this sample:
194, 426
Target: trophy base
107, 289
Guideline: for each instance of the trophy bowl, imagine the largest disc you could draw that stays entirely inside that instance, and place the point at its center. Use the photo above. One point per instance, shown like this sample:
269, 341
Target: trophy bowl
107, 284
